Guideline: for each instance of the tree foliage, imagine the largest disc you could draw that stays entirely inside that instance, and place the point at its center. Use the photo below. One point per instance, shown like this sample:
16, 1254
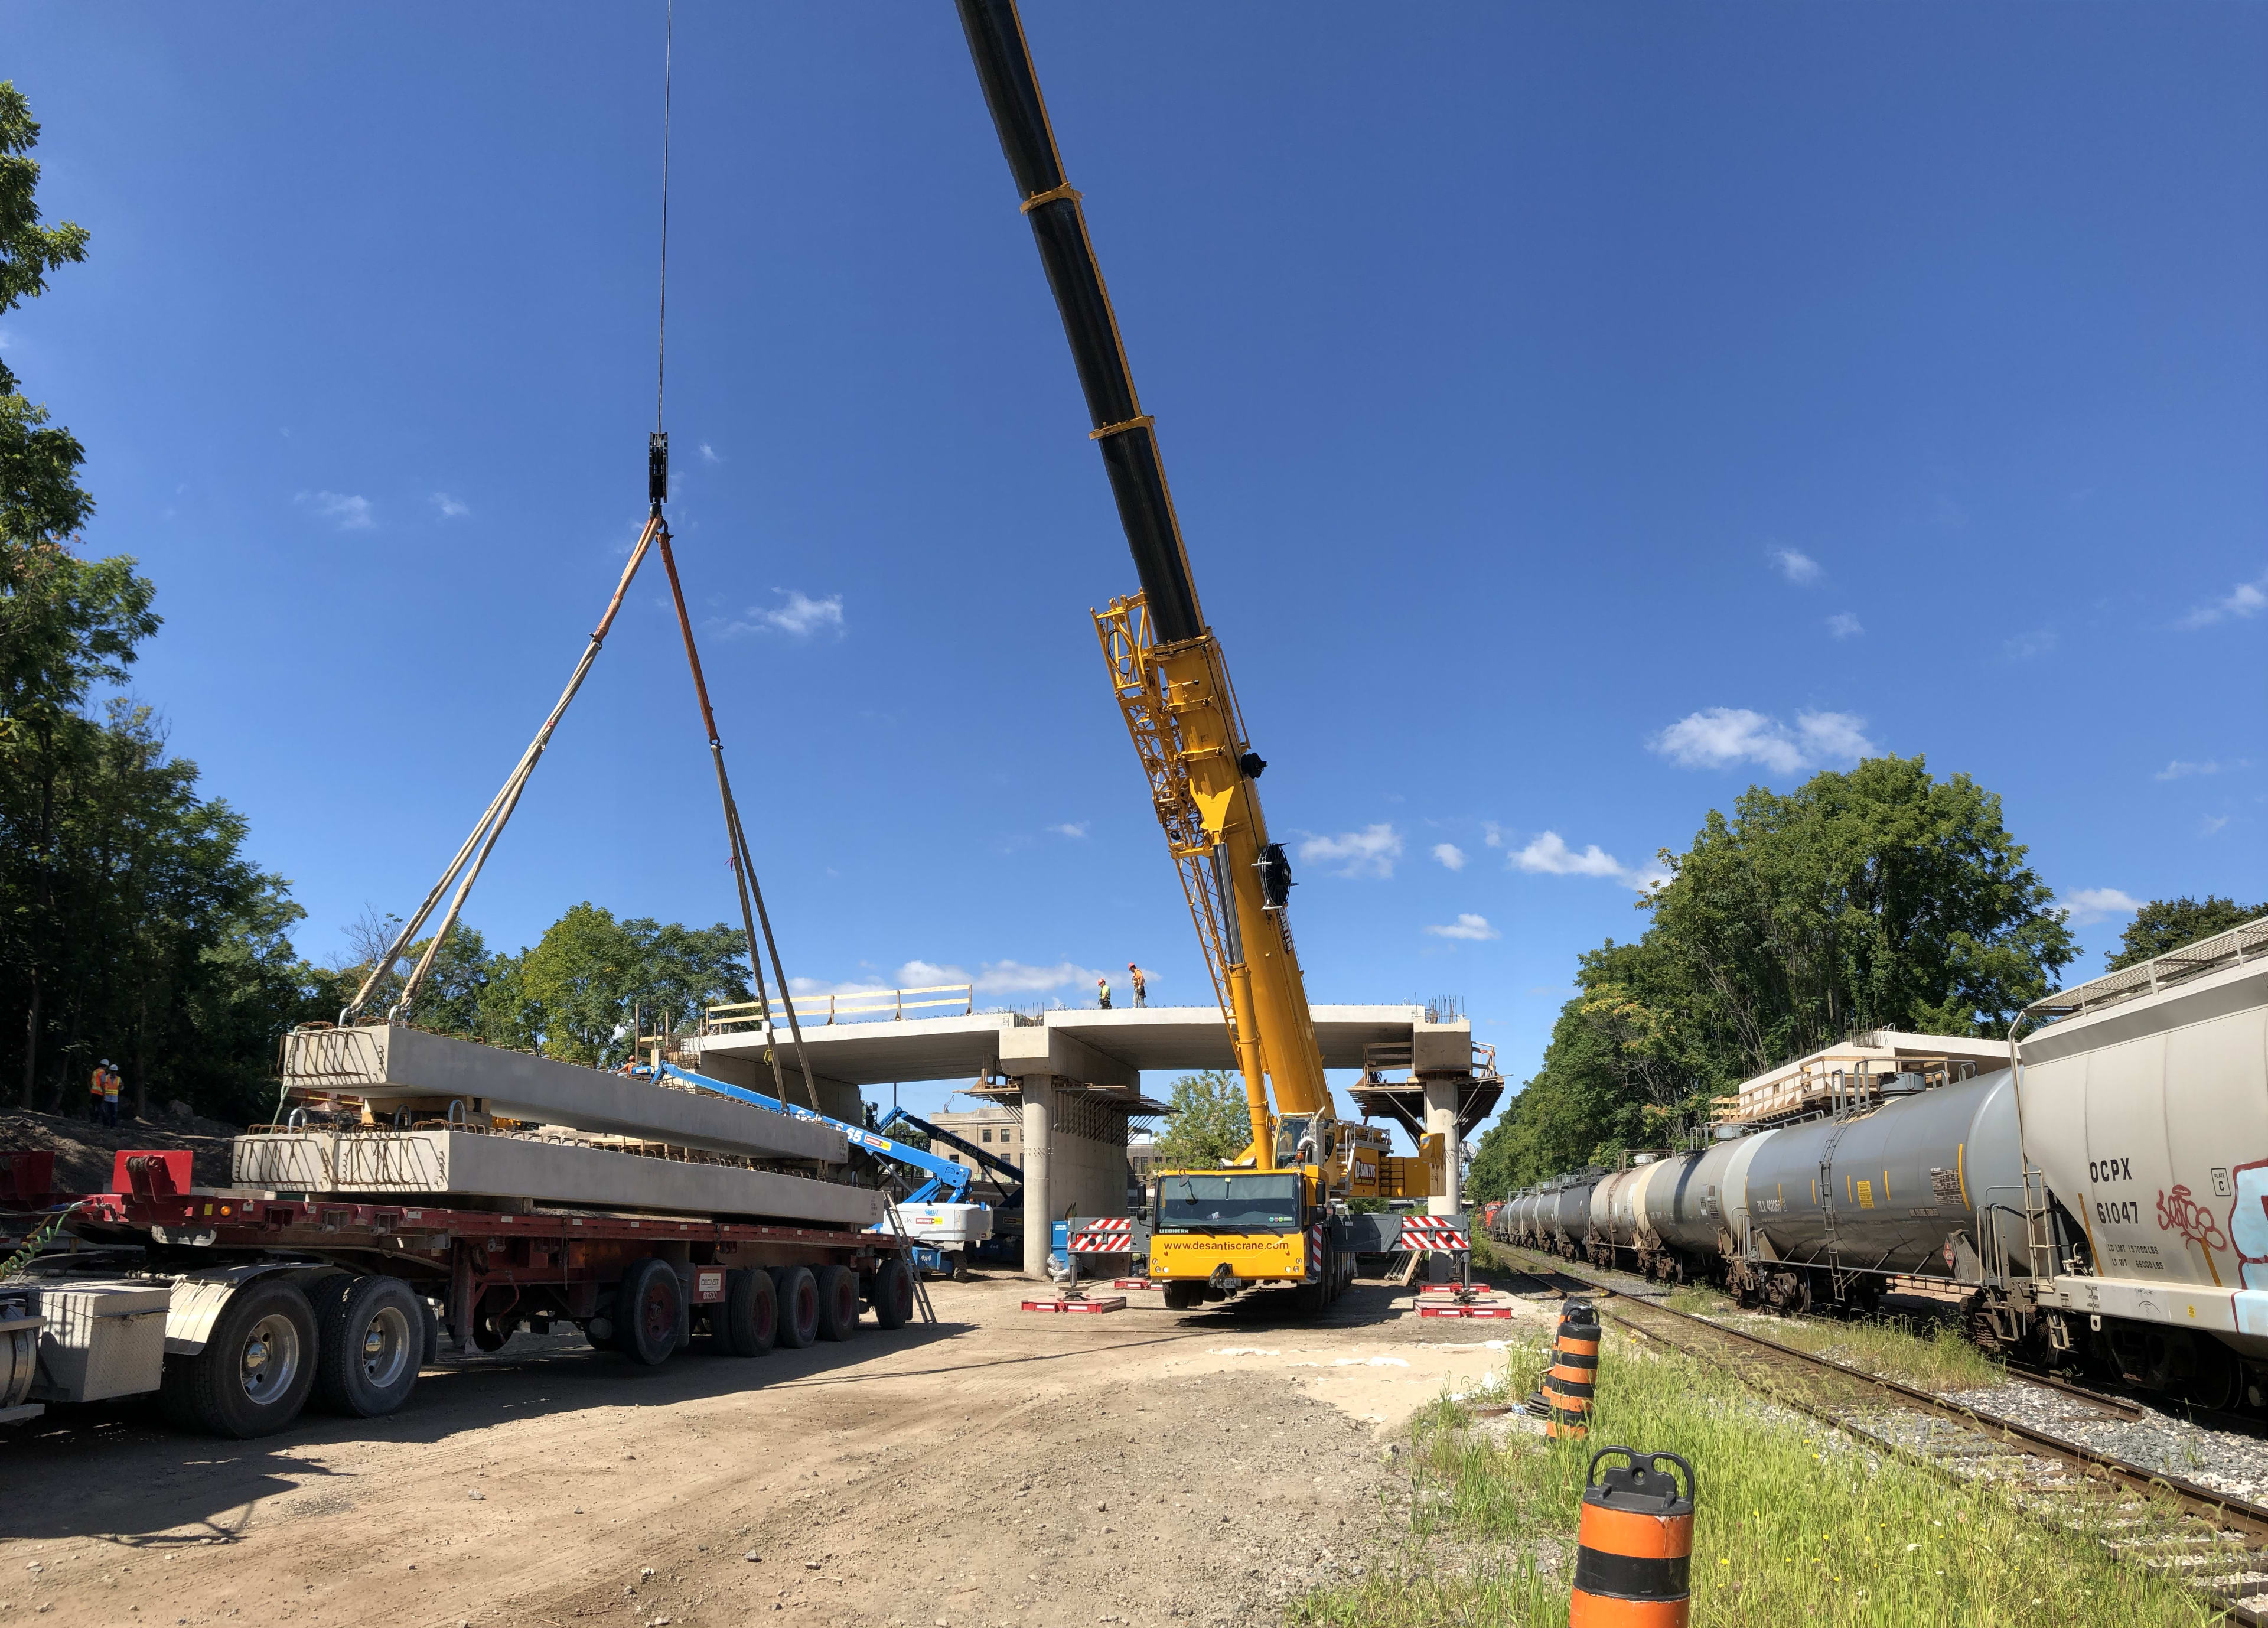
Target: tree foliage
1210, 1122
132, 924
2164, 925
1879, 898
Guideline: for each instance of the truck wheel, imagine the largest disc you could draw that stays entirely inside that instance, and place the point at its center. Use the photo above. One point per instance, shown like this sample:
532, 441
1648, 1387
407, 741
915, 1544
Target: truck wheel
255, 1372
1180, 1296
326, 1293
368, 1345
798, 1294
650, 1312
838, 1302
1310, 1299
893, 1294
748, 1320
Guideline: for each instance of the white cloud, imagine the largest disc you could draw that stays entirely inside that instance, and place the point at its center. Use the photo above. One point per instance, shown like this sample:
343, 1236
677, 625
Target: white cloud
2180, 769
2093, 904
801, 617
1070, 828
708, 453
2247, 599
351, 513
1548, 855
1475, 928
1370, 851
1797, 566
2024, 647
1844, 624
1492, 834
918, 974
1450, 855
2213, 824
1717, 737
1830, 736
450, 507
1013, 977
806, 989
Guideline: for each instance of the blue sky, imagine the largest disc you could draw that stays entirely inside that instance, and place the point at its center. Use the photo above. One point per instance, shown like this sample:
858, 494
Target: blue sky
1575, 414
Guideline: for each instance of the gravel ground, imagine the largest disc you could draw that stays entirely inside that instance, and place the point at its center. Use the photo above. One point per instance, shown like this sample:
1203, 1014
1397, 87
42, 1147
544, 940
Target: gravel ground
2235, 1461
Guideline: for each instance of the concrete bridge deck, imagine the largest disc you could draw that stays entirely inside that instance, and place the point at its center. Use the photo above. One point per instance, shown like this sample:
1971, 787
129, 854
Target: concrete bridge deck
1097, 1048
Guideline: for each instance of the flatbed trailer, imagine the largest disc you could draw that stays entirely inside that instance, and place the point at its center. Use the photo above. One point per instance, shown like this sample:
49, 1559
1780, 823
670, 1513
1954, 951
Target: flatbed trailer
270, 1301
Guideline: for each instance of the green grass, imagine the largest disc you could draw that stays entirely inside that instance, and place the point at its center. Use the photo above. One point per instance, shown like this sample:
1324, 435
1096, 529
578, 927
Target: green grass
1921, 1352
1796, 1524
1935, 1356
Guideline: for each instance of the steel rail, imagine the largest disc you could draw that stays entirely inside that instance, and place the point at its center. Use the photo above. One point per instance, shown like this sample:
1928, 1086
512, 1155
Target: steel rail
2224, 1511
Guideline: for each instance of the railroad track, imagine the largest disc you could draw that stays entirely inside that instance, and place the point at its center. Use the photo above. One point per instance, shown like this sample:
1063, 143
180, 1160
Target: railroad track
2216, 1543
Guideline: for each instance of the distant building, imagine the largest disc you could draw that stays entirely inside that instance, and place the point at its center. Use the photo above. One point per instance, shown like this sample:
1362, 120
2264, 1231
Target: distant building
1000, 1131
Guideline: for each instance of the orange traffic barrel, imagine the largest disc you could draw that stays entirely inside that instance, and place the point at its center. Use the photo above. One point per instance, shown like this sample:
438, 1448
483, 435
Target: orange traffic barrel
1634, 1547
1573, 1378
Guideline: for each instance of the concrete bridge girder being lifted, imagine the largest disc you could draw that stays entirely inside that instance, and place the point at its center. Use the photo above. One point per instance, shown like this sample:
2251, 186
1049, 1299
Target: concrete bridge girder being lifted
1077, 1076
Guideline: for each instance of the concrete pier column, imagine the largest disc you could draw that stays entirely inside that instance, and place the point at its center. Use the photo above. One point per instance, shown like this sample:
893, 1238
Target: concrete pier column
1038, 1095
1441, 1120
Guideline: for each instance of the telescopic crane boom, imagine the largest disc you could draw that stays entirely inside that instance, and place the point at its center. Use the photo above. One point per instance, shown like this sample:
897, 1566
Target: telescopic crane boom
1166, 666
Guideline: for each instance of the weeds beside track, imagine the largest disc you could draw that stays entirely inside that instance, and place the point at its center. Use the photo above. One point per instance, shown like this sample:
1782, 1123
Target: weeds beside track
2213, 1543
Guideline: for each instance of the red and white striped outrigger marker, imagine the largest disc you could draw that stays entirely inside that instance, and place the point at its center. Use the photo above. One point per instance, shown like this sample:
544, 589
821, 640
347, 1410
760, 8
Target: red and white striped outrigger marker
1112, 1235
1434, 1234
1314, 1253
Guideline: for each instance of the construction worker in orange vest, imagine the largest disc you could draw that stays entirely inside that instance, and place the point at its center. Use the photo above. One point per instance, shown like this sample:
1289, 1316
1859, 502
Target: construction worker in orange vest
103, 1095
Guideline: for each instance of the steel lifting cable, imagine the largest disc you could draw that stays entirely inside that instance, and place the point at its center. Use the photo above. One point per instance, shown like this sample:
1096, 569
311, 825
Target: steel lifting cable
490, 825
744, 870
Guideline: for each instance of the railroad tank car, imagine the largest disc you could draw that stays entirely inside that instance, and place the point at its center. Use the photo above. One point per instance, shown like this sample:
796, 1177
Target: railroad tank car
1685, 1208
1531, 1221
2144, 1108
1570, 1212
1616, 1208
1882, 1190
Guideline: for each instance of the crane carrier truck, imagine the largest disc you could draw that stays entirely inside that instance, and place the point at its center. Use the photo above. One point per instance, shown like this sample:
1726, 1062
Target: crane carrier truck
1276, 1213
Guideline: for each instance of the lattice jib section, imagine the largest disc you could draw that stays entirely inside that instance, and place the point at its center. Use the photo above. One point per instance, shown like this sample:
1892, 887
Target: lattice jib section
1129, 648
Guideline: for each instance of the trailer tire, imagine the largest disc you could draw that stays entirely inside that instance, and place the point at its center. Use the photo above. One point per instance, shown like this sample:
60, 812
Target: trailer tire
748, 1323
893, 1294
838, 1302
325, 1292
370, 1341
798, 1294
254, 1375
650, 1312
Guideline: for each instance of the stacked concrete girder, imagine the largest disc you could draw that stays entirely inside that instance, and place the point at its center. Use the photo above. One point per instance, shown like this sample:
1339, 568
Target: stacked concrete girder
387, 1064
434, 1163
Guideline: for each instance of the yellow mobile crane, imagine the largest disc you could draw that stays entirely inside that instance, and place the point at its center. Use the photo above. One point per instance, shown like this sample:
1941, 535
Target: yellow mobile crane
1275, 1213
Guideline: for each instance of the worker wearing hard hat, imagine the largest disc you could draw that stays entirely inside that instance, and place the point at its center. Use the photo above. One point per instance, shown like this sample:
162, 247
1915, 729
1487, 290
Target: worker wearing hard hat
1141, 982
1103, 993
102, 1093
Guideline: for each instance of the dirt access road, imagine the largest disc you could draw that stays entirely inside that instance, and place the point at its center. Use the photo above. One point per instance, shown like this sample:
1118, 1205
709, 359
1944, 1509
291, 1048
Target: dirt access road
1001, 1467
